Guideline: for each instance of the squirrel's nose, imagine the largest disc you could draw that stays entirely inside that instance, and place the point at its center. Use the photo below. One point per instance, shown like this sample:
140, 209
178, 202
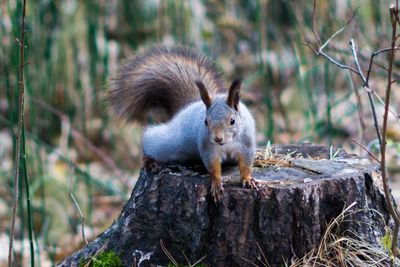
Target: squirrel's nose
218, 139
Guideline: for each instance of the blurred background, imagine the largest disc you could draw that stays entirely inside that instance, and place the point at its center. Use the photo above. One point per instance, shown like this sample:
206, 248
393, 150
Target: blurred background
73, 46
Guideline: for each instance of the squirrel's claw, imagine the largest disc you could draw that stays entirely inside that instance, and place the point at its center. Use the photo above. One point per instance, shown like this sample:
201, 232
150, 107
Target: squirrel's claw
250, 183
216, 191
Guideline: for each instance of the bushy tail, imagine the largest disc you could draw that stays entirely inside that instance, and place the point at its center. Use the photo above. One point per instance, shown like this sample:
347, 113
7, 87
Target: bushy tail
161, 77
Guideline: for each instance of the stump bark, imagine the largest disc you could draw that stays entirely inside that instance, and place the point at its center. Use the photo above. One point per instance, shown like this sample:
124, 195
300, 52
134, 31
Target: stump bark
301, 191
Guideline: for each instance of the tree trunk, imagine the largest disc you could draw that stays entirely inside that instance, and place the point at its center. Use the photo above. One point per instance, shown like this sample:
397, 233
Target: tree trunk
301, 191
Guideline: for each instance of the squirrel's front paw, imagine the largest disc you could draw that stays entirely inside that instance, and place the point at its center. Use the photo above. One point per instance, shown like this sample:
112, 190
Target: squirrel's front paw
151, 165
250, 183
216, 191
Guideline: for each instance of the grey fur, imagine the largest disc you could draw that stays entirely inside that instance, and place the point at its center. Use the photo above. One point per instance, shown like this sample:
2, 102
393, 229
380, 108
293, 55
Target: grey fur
186, 137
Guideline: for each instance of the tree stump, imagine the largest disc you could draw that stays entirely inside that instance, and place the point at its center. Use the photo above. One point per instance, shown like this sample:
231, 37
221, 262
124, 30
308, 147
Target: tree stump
301, 191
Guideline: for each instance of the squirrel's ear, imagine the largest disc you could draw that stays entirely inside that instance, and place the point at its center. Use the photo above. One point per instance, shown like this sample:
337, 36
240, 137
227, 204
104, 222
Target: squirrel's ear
203, 93
234, 94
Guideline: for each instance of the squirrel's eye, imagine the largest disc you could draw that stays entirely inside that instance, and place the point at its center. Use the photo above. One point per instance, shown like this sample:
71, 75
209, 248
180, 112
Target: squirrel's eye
232, 121
206, 122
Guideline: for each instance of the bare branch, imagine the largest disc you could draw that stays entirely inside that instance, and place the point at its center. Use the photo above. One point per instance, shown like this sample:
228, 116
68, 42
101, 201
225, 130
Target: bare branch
320, 50
373, 55
314, 23
366, 150
340, 65
389, 201
359, 109
311, 47
396, 13
331, 59
362, 56
18, 140
376, 125
353, 50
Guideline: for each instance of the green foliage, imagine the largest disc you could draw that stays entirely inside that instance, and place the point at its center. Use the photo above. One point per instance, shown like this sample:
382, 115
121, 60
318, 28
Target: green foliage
104, 259
387, 241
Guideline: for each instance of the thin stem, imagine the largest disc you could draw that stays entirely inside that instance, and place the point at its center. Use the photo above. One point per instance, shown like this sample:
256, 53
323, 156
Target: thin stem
366, 87
314, 22
393, 14
76, 205
376, 125
331, 59
359, 109
28, 199
371, 59
354, 52
18, 136
366, 150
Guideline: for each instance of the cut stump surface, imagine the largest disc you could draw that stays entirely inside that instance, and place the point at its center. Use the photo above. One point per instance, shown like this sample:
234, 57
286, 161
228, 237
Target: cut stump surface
301, 191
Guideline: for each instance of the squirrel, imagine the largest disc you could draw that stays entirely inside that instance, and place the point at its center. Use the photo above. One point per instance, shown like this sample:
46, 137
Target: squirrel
204, 123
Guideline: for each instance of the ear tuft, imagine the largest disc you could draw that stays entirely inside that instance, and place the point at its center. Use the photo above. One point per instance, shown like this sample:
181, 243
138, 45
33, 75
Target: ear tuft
234, 94
203, 93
